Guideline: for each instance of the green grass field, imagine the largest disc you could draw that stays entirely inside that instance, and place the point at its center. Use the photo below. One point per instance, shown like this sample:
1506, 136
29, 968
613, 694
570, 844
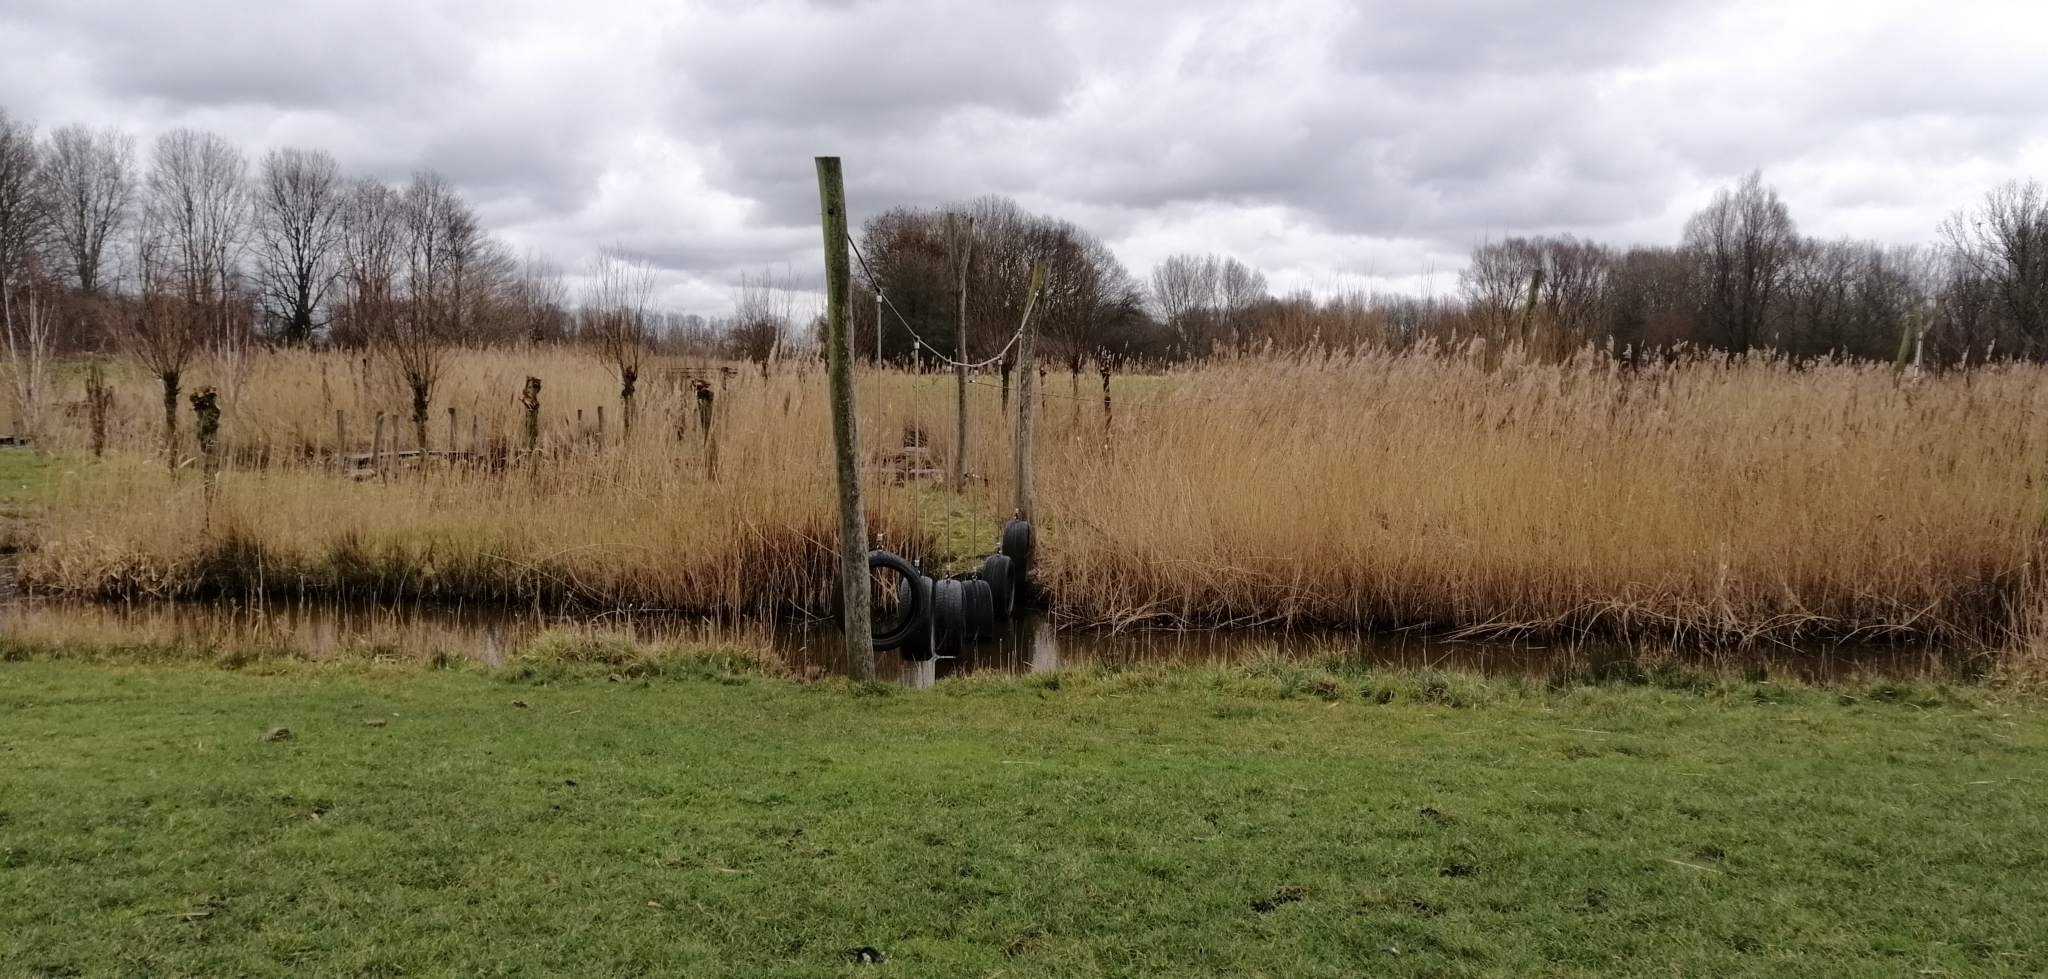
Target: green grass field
693, 819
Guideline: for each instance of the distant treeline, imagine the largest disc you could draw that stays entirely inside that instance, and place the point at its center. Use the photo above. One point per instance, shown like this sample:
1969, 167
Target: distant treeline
197, 247
1741, 279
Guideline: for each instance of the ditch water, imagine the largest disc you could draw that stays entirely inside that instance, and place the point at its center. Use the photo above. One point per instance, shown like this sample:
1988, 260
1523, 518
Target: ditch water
1029, 644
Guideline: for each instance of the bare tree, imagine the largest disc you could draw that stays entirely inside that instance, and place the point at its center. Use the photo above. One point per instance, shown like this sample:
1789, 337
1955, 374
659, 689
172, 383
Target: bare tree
2004, 246
539, 301
31, 323
1183, 288
298, 231
89, 177
25, 312
24, 216
1204, 299
372, 252
439, 234
419, 273
1743, 243
614, 319
198, 210
764, 312
163, 328
1549, 295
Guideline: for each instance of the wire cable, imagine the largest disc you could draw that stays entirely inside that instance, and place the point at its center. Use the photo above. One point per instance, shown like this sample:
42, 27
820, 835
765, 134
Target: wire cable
927, 344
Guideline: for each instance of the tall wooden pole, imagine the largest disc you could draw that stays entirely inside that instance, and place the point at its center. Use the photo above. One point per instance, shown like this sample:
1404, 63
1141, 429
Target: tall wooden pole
1027, 401
964, 243
853, 522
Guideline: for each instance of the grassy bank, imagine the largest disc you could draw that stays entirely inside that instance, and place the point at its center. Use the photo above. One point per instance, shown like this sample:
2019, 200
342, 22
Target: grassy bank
698, 817
1696, 500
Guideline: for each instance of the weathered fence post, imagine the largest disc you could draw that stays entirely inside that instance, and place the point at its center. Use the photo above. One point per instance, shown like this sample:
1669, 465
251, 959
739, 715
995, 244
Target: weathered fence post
1027, 404
1107, 415
377, 448
600, 426
451, 435
708, 415
97, 397
853, 523
341, 460
529, 399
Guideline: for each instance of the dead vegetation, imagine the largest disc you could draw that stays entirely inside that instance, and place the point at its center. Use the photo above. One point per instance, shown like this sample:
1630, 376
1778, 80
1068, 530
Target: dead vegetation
1703, 500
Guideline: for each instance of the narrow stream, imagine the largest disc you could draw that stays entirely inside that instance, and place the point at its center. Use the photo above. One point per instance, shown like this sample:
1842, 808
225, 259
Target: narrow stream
490, 634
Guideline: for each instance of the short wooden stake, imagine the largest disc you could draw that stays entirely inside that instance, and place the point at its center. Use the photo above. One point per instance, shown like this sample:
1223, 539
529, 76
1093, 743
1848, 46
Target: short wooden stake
377, 447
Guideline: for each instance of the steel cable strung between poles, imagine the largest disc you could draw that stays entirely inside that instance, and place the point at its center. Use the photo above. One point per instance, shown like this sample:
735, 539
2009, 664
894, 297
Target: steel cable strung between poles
926, 344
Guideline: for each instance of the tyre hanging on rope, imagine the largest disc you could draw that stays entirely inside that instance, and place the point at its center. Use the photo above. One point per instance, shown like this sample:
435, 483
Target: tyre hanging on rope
919, 645
913, 600
995, 570
949, 613
980, 605
1017, 546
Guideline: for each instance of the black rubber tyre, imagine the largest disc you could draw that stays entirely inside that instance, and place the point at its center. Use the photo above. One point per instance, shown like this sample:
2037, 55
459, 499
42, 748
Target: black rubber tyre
918, 646
996, 571
1017, 545
980, 603
914, 596
949, 612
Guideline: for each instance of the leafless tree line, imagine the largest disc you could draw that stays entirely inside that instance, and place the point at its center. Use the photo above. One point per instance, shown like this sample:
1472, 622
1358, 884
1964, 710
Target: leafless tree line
193, 252
1741, 278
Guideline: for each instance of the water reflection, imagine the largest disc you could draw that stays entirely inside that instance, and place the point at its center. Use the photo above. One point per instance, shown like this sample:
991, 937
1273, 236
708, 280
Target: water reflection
490, 634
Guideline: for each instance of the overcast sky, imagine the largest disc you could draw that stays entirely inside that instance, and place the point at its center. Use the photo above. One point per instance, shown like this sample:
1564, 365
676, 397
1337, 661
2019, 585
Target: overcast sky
1334, 145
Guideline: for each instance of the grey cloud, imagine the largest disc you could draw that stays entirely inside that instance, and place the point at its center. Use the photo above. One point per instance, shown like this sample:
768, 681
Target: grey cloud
288, 55
1422, 122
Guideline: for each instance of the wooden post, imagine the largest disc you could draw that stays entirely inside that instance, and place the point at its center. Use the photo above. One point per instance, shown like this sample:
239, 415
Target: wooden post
853, 521
377, 447
600, 426
1027, 403
98, 396
341, 460
965, 244
529, 399
1107, 416
451, 433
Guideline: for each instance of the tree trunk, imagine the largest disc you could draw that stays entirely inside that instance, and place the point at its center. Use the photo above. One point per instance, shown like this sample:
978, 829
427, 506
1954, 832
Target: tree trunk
170, 379
419, 415
628, 379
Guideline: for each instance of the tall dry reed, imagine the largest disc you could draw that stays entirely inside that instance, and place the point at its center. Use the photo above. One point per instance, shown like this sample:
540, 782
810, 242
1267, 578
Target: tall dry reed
1700, 499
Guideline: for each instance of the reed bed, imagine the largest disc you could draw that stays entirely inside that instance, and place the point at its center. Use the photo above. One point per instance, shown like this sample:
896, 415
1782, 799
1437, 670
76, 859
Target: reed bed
1699, 500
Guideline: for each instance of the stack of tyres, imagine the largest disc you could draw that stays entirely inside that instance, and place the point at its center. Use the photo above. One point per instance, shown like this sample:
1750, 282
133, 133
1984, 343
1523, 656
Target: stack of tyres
941, 615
